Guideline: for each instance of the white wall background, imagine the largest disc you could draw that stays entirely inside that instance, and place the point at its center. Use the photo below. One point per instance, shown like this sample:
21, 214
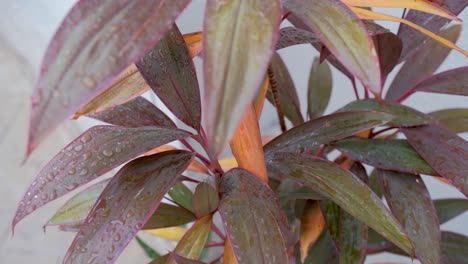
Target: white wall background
26, 26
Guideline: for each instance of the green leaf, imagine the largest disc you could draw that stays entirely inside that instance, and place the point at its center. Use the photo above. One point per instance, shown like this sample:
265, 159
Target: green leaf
135, 113
453, 81
302, 193
161, 260
411, 204
349, 42
205, 200
169, 70
422, 63
181, 260
374, 183
320, 87
95, 42
343, 188
405, 116
323, 251
168, 215
95, 152
287, 91
455, 119
324, 130
447, 209
352, 239
239, 40
77, 208
454, 248
253, 219
129, 199
450, 159
389, 154
149, 251
182, 196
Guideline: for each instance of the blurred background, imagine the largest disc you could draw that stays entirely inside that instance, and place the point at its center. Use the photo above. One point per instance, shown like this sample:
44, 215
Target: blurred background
26, 27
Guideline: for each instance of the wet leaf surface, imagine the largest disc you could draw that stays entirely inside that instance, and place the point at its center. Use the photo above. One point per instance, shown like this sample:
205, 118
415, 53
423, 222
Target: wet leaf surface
205, 199
125, 205
182, 195
168, 215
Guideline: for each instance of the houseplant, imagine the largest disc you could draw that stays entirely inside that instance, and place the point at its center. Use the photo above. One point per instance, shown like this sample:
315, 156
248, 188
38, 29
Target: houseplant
304, 196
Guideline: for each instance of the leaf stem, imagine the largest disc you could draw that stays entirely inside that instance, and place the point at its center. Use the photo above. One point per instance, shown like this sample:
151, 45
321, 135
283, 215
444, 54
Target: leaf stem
405, 95
356, 94
217, 244
217, 231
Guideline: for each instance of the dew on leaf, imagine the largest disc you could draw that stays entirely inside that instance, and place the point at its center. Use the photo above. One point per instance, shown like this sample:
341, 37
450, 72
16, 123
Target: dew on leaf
78, 148
86, 138
107, 153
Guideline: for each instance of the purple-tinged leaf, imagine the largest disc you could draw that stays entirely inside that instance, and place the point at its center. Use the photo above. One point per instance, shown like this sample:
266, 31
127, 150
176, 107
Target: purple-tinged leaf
182, 196
290, 36
193, 242
169, 70
288, 97
444, 151
447, 209
302, 193
388, 154
411, 204
413, 39
453, 81
349, 42
181, 260
254, 221
324, 130
135, 113
77, 208
124, 206
323, 251
70, 227
388, 46
168, 215
95, 152
343, 188
455, 119
454, 248
422, 63
95, 42
405, 116
239, 40
319, 88
205, 200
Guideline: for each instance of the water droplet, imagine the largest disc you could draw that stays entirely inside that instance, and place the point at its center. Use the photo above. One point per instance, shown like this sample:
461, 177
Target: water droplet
86, 138
44, 196
87, 155
89, 82
129, 214
83, 172
72, 186
78, 148
117, 237
107, 152
83, 250
35, 196
118, 149
72, 171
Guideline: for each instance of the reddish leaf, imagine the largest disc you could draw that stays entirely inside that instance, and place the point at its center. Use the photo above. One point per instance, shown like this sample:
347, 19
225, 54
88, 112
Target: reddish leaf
389, 154
319, 88
169, 70
205, 200
343, 188
254, 221
95, 152
422, 63
455, 119
239, 39
411, 204
451, 158
95, 42
125, 205
290, 36
288, 97
447, 209
412, 39
135, 113
453, 81
349, 42
325, 130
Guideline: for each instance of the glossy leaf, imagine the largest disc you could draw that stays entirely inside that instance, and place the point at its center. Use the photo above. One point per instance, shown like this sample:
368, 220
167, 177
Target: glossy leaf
405, 116
448, 209
453, 81
319, 88
127, 202
168, 215
169, 70
454, 248
412, 39
195, 166
349, 42
149, 251
96, 41
343, 188
325, 130
77, 208
288, 97
389, 154
182, 195
411, 204
95, 152
193, 242
423, 63
253, 219
236, 56
127, 86
135, 113
205, 200
290, 36
451, 158
455, 119
312, 226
